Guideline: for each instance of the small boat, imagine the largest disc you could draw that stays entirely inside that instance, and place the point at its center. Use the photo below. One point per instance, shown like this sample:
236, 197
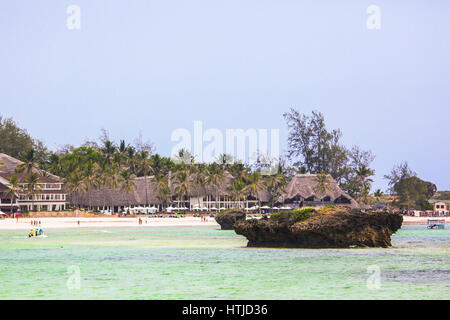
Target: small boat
436, 224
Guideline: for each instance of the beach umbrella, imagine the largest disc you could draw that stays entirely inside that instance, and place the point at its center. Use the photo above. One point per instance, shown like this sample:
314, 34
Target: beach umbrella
223, 208
214, 209
204, 208
276, 208
2, 213
265, 207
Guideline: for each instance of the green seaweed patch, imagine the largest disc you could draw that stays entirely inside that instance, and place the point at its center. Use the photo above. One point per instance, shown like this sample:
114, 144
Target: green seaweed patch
326, 208
227, 211
293, 216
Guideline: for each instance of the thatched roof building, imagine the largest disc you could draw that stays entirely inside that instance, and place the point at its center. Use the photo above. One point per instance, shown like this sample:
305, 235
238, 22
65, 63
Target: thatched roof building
103, 197
304, 187
301, 189
49, 195
146, 193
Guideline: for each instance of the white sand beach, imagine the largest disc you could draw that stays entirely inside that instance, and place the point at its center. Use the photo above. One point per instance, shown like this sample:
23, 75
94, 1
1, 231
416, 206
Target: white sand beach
72, 222
407, 220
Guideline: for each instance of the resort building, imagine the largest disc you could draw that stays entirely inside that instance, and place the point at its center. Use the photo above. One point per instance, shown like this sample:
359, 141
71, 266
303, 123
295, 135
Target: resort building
304, 190
5, 200
48, 195
145, 194
440, 205
301, 191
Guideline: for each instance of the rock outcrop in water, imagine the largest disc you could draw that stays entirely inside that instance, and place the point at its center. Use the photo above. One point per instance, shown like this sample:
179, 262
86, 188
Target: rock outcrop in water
337, 227
227, 218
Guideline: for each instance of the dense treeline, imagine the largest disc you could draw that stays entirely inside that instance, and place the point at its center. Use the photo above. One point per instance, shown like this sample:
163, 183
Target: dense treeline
312, 148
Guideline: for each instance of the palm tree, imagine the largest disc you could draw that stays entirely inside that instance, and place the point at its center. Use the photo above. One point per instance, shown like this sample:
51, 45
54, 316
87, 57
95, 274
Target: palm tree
29, 163
115, 180
108, 150
131, 159
32, 186
255, 185
215, 178
200, 181
364, 181
13, 185
161, 183
275, 184
76, 185
143, 166
238, 192
54, 164
378, 193
183, 184
128, 184
224, 160
184, 156
91, 180
323, 184
239, 171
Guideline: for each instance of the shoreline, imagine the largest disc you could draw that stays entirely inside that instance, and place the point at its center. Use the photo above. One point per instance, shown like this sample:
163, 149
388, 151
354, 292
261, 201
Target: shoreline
104, 222
407, 220
110, 222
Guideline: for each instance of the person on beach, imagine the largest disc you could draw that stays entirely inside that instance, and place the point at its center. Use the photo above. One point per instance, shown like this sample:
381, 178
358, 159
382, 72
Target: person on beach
78, 222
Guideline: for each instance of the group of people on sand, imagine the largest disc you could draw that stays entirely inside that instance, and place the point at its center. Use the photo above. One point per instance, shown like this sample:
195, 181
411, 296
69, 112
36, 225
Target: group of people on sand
35, 232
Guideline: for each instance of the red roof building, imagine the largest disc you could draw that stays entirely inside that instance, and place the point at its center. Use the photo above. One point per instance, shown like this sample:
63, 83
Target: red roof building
49, 194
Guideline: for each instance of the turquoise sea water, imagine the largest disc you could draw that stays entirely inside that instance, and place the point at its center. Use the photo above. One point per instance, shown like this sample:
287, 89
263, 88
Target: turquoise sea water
207, 263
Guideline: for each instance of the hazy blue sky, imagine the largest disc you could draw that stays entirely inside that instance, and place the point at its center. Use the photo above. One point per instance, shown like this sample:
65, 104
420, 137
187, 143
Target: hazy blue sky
156, 66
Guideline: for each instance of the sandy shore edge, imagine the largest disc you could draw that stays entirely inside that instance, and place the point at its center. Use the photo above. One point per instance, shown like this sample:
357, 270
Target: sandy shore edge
109, 222
103, 222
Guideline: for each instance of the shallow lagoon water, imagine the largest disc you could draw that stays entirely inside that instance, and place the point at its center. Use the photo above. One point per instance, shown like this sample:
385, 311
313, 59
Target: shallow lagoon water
207, 263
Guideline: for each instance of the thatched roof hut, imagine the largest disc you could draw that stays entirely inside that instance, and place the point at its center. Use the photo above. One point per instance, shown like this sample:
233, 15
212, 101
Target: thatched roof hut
9, 170
139, 195
303, 187
116, 197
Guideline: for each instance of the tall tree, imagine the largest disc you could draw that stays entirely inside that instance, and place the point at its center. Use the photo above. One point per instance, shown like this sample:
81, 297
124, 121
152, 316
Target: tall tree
215, 178
323, 184
161, 184
413, 193
14, 141
255, 184
13, 188
127, 183
238, 192
398, 172
143, 167
33, 186
29, 162
312, 147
